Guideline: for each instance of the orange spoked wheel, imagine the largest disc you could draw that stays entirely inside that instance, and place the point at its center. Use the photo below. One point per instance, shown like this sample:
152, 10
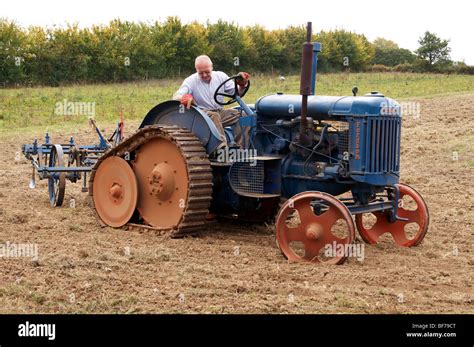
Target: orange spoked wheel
115, 191
407, 233
312, 223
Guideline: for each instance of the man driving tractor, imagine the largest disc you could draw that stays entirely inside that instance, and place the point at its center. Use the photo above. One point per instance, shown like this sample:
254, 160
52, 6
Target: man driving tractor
199, 89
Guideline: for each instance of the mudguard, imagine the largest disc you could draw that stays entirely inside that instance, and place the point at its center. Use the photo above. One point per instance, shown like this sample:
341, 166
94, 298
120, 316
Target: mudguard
193, 119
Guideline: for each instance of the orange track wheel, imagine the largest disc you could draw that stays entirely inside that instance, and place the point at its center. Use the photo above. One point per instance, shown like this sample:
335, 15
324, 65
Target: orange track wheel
115, 191
415, 210
309, 223
163, 182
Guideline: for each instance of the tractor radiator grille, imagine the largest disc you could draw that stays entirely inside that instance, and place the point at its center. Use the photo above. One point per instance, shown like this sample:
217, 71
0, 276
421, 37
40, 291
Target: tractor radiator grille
383, 144
247, 177
343, 137
342, 129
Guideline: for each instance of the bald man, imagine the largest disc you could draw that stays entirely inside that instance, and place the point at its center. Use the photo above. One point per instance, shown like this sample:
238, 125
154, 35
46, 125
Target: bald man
199, 88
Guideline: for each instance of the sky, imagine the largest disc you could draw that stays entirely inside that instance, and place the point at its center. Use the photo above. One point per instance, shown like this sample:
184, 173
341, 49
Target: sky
402, 21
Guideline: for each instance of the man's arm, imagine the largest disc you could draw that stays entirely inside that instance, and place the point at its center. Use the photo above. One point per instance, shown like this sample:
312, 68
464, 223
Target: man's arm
183, 90
183, 95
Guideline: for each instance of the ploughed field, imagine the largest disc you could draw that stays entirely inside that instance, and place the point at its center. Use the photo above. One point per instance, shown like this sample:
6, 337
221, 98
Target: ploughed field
235, 268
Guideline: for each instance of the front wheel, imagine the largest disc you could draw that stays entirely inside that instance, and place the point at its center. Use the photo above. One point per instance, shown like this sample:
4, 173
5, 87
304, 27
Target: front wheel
409, 233
314, 227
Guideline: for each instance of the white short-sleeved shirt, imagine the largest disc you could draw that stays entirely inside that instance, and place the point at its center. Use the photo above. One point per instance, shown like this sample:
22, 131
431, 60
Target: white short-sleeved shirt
203, 92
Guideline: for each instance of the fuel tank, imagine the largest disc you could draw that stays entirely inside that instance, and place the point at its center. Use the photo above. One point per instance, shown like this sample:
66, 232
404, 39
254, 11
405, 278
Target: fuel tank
289, 106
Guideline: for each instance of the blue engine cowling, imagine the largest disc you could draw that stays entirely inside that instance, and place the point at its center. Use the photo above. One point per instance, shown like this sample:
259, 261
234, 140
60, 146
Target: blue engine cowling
364, 155
289, 106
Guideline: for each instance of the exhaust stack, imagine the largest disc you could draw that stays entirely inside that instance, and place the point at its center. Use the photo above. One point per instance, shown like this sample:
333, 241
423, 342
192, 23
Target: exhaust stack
305, 84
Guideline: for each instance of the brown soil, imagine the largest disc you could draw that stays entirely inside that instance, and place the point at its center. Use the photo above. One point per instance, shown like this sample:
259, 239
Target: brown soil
238, 269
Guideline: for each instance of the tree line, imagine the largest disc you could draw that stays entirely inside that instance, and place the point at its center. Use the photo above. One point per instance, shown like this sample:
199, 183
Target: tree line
127, 51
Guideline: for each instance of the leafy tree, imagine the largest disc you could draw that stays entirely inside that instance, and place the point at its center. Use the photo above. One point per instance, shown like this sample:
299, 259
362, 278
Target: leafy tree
433, 49
125, 51
385, 44
291, 40
12, 52
388, 53
191, 43
343, 50
265, 49
228, 45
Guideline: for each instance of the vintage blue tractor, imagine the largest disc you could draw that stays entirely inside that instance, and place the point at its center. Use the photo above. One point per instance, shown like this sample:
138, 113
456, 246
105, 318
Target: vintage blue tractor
299, 152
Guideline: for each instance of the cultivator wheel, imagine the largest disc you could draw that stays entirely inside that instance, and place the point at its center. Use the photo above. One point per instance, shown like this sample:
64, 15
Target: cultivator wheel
309, 224
57, 180
115, 191
173, 178
416, 213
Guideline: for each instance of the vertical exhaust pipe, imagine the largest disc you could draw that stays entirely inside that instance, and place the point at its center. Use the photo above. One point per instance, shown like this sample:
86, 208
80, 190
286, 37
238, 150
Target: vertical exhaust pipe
305, 84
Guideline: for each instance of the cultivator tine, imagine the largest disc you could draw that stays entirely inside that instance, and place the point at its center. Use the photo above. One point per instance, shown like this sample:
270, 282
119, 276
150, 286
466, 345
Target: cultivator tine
32, 184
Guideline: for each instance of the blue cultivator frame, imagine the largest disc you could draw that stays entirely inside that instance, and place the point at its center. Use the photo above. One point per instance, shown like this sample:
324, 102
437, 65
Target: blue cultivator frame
67, 161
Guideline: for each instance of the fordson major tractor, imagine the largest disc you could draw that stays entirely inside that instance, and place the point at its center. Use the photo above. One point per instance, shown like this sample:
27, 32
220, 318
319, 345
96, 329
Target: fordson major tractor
321, 162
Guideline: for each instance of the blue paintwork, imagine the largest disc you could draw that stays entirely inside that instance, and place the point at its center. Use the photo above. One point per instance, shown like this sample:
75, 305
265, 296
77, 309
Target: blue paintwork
289, 106
194, 119
316, 50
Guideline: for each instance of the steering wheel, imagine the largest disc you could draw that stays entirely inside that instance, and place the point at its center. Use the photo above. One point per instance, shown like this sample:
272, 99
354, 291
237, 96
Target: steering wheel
231, 96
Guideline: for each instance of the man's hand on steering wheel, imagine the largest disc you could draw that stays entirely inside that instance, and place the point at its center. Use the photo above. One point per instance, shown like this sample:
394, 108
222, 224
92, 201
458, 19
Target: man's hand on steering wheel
241, 87
242, 79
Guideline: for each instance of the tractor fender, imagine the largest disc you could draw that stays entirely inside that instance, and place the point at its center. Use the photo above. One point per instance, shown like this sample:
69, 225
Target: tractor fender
193, 119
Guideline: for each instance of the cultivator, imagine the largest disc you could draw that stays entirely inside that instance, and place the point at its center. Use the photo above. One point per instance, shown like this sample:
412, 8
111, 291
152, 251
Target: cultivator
310, 151
66, 161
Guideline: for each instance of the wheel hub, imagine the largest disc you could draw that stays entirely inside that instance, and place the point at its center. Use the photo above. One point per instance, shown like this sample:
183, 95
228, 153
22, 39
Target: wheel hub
314, 231
116, 191
161, 181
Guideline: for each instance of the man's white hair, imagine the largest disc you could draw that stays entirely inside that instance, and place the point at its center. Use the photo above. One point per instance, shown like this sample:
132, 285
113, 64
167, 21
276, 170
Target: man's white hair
202, 59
